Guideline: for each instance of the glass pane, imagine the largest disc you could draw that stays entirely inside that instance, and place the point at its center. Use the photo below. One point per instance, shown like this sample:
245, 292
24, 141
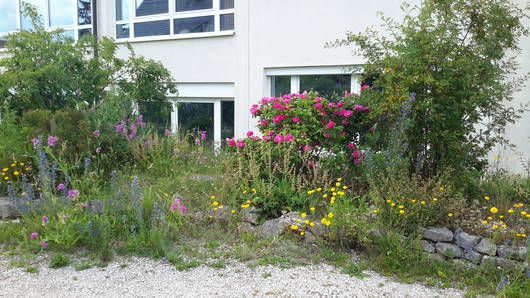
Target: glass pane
122, 9
3, 42
84, 12
61, 12
281, 85
193, 25
227, 4
227, 119
331, 87
227, 21
185, 5
26, 22
84, 32
151, 28
156, 116
122, 31
195, 117
8, 16
69, 34
151, 7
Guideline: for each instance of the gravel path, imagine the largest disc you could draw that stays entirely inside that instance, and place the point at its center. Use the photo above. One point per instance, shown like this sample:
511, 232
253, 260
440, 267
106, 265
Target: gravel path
142, 277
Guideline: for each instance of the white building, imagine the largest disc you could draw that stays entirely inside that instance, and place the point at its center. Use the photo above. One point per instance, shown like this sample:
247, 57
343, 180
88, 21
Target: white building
227, 54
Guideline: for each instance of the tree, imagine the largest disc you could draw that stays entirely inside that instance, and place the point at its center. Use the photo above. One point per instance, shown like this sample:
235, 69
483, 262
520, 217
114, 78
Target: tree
452, 57
47, 70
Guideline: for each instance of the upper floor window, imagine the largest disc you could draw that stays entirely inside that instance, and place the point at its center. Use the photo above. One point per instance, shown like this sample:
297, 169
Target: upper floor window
73, 16
148, 18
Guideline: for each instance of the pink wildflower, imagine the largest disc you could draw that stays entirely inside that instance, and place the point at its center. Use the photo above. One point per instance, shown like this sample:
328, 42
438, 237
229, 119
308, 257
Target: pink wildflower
43, 243
52, 140
35, 142
34, 235
60, 186
96, 132
73, 193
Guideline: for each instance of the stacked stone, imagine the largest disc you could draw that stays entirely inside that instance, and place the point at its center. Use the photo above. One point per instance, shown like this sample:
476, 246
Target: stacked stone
471, 251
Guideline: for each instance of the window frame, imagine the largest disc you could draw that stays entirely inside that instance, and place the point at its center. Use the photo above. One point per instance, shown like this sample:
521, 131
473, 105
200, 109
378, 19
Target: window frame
46, 19
216, 11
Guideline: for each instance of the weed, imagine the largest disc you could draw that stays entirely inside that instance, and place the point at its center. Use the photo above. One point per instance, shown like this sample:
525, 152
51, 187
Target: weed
59, 260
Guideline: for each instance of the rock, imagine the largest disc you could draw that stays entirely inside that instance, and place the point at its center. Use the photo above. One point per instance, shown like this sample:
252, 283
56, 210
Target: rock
486, 246
272, 228
517, 253
377, 232
435, 257
472, 256
503, 263
201, 177
438, 234
245, 228
426, 246
250, 215
464, 264
465, 240
449, 250
7, 209
488, 261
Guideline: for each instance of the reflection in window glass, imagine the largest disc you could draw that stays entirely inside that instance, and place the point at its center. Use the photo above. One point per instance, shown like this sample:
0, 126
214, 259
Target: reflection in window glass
69, 34
122, 31
8, 16
84, 32
84, 12
186, 5
281, 85
151, 7
156, 115
26, 21
60, 12
196, 117
227, 119
151, 28
227, 4
122, 9
227, 21
193, 25
3, 42
331, 87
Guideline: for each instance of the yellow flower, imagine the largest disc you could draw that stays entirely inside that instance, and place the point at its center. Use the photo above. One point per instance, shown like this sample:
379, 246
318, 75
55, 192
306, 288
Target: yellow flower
341, 193
332, 201
401, 211
523, 212
323, 220
450, 214
528, 215
334, 194
401, 206
388, 201
312, 208
298, 220
302, 233
312, 224
487, 198
485, 222
510, 210
422, 202
16, 173
344, 187
504, 226
376, 210
327, 223
325, 195
494, 210
233, 210
501, 216
333, 189
3, 174
245, 191
303, 214
495, 226
245, 206
28, 203
210, 216
6, 178
441, 188
294, 227
212, 197
413, 201
306, 221
254, 190
215, 209
490, 218
221, 207
339, 179
5, 169
21, 163
435, 199
518, 235
247, 201
393, 204
309, 192
13, 164
523, 235
338, 184
319, 189
330, 215
215, 203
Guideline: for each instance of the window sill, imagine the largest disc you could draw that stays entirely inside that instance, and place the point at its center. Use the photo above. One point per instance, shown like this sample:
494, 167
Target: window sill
176, 37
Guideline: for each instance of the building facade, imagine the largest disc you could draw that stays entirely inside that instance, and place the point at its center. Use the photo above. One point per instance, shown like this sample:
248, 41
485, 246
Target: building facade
227, 54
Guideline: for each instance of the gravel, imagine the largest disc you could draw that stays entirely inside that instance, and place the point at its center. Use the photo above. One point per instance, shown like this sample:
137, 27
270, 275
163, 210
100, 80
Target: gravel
141, 277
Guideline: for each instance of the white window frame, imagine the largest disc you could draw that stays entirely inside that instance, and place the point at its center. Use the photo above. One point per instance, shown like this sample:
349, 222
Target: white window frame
296, 72
215, 11
46, 19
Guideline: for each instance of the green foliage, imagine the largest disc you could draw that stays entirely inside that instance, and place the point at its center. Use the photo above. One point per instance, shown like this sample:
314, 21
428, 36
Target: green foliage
13, 143
59, 260
453, 57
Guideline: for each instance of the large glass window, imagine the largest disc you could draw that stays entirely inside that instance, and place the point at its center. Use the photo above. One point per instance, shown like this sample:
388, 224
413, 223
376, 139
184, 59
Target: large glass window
281, 85
227, 119
187, 5
185, 16
151, 28
41, 9
196, 117
331, 87
194, 25
151, 7
8, 16
84, 12
61, 12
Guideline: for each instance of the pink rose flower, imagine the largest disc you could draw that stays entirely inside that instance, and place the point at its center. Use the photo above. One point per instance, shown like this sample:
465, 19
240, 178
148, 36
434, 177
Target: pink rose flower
351, 145
340, 104
230, 142
307, 148
296, 119
330, 124
357, 154
318, 105
364, 87
278, 139
240, 144
289, 137
264, 122
267, 138
250, 133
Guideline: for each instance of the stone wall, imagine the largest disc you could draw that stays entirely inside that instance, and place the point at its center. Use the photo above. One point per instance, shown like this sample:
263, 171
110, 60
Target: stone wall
472, 251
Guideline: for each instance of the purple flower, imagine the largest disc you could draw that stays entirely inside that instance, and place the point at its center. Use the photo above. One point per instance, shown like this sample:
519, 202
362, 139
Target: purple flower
34, 235
43, 244
96, 132
168, 132
60, 186
203, 135
197, 140
73, 193
183, 209
52, 140
98, 149
35, 142
45, 218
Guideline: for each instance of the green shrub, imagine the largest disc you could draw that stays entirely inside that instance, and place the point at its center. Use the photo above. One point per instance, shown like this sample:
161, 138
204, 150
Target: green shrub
59, 260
